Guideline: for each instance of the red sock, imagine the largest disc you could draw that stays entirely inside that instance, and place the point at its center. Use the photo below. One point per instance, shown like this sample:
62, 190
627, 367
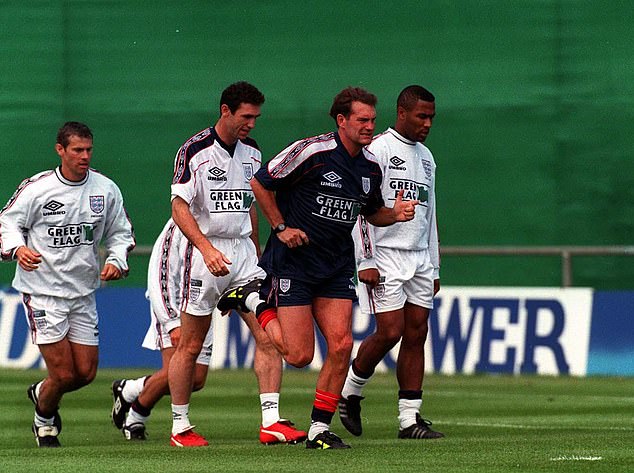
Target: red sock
266, 316
326, 401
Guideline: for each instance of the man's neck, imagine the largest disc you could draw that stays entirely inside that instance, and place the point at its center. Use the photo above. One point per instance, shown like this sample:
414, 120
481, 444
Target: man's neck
351, 147
401, 131
224, 135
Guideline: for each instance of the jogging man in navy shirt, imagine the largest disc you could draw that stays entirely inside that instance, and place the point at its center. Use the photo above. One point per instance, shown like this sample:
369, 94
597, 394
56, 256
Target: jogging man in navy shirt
311, 193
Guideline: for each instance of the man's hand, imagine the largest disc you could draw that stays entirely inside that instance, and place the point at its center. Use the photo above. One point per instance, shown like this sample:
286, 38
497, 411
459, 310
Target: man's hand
110, 272
28, 259
216, 261
292, 237
404, 210
370, 277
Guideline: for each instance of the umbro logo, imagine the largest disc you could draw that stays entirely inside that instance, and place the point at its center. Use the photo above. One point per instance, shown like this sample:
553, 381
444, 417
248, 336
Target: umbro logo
53, 208
53, 205
397, 163
217, 174
332, 176
331, 180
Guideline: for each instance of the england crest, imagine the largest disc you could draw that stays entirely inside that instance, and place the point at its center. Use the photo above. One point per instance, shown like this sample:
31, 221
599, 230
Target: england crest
248, 171
97, 203
427, 168
38, 321
379, 291
365, 183
194, 293
285, 285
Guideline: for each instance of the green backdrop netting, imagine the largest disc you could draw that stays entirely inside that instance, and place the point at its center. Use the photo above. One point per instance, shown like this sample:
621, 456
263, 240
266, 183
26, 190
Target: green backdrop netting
535, 100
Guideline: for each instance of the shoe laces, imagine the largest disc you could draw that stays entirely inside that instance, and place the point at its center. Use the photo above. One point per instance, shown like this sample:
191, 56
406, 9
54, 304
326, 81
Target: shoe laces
189, 433
328, 435
424, 424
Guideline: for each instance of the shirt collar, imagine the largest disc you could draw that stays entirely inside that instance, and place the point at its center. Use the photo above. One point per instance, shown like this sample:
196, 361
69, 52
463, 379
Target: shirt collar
63, 180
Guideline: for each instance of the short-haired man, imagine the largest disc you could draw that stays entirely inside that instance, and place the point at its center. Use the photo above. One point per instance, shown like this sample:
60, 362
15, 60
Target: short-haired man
212, 206
398, 268
311, 193
135, 398
52, 226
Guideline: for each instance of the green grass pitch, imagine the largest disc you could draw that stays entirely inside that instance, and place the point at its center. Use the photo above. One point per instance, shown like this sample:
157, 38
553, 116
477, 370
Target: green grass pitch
492, 424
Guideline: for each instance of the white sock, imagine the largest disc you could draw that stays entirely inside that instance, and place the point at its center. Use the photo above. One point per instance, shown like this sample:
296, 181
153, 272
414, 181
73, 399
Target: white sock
407, 409
135, 418
253, 301
39, 420
132, 388
42, 421
354, 384
316, 428
38, 387
270, 404
180, 418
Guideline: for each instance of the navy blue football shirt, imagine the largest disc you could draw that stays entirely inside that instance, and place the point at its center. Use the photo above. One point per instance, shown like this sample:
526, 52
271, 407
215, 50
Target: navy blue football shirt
321, 190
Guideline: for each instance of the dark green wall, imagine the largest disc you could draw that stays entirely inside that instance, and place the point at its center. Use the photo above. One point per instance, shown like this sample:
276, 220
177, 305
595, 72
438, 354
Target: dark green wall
532, 138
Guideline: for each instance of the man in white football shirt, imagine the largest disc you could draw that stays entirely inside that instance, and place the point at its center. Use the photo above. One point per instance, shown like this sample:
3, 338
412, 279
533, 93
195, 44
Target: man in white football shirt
398, 268
135, 398
212, 205
52, 226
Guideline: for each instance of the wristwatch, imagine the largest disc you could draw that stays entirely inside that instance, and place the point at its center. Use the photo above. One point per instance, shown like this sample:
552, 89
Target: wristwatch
280, 228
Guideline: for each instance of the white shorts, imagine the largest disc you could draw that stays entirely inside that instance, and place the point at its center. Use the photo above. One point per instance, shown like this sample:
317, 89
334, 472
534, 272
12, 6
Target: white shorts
157, 338
406, 276
201, 289
164, 276
163, 292
51, 319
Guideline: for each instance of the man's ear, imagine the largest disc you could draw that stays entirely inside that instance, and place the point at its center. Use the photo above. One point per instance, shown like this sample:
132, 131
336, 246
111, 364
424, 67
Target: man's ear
224, 109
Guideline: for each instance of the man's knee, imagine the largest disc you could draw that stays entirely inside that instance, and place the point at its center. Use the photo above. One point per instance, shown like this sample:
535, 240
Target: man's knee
191, 347
84, 379
391, 334
63, 379
298, 359
68, 380
84, 374
415, 337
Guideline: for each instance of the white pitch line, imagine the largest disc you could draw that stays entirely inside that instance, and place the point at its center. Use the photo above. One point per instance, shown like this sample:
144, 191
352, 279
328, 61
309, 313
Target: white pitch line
534, 427
563, 396
575, 458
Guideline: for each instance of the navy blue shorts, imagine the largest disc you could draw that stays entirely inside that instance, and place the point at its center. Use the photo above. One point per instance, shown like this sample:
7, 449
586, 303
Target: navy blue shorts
286, 292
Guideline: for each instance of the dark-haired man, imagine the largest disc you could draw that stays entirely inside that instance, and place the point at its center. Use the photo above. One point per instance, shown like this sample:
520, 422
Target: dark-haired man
398, 268
135, 398
212, 207
52, 226
311, 193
